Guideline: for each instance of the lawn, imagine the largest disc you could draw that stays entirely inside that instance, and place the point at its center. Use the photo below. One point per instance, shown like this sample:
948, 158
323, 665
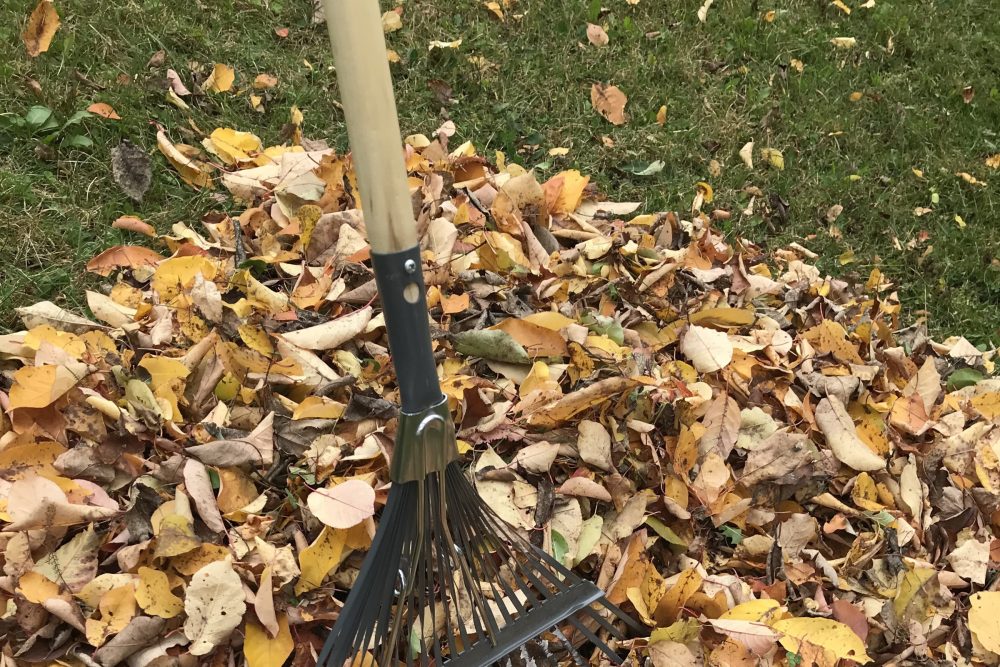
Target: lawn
881, 129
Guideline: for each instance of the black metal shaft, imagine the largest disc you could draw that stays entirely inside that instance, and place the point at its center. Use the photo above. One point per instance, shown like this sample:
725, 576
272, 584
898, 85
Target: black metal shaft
400, 280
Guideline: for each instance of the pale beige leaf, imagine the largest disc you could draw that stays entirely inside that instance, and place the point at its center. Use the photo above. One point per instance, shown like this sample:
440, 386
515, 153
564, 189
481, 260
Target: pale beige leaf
199, 487
841, 436
214, 604
584, 487
344, 505
709, 350
970, 559
140, 632
594, 444
537, 458
722, 426
596, 35
332, 334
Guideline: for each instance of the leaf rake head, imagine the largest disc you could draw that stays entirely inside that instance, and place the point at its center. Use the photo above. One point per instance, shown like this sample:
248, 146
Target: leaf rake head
448, 582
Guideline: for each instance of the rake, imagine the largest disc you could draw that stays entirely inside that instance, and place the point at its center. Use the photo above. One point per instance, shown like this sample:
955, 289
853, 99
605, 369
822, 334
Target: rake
446, 582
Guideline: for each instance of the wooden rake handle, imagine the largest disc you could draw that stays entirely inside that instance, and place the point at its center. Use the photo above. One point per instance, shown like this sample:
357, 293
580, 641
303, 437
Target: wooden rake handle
359, 54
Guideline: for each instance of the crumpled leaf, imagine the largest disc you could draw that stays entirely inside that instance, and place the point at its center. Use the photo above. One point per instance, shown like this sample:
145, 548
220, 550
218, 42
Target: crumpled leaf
132, 169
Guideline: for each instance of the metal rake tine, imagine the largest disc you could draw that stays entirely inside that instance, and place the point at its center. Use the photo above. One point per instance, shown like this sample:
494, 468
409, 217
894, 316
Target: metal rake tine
442, 539
468, 571
577, 658
603, 622
498, 574
593, 639
621, 615
492, 572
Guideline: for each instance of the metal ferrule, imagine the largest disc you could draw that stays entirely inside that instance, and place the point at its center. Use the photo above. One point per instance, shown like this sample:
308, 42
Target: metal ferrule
425, 443
425, 439
398, 275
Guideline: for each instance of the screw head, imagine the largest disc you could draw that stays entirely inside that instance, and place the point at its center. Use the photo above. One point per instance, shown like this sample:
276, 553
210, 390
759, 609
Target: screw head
410, 266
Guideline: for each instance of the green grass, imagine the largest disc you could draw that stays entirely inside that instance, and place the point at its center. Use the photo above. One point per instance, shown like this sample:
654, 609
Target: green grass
725, 82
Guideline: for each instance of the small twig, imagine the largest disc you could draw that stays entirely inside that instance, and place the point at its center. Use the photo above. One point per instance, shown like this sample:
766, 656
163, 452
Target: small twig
329, 387
241, 253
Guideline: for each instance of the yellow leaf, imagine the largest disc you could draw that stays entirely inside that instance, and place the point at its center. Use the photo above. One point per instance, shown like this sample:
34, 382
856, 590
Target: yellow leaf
258, 294
41, 28
856, 96
774, 157
770, 15
40, 386
549, 319
706, 191
256, 339
559, 150
221, 79
260, 649
192, 561
232, 146
65, 341
661, 116
104, 110
154, 595
164, 371
495, 9
846, 257
320, 558
987, 405
754, 610
36, 587
841, 6
117, 607
844, 42
175, 536
318, 407
993, 161
836, 640
178, 273
984, 619
960, 221
194, 172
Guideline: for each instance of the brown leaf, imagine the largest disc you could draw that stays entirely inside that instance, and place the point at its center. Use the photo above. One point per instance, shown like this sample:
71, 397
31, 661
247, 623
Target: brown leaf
41, 28
140, 632
199, 487
609, 101
722, 426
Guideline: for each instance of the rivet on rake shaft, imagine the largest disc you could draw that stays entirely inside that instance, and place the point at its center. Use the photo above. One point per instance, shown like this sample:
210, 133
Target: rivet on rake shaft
410, 266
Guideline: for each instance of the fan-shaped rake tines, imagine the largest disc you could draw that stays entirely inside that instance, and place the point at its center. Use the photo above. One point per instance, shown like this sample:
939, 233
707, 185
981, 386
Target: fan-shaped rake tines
447, 582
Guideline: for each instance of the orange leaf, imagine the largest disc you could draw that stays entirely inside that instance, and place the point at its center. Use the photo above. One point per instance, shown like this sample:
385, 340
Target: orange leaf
104, 110
609, 101
41, 28
454, 303
120, 256
134, 224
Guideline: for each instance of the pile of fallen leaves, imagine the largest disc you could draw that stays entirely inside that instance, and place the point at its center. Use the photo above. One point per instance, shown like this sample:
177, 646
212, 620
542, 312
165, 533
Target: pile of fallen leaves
755, 461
